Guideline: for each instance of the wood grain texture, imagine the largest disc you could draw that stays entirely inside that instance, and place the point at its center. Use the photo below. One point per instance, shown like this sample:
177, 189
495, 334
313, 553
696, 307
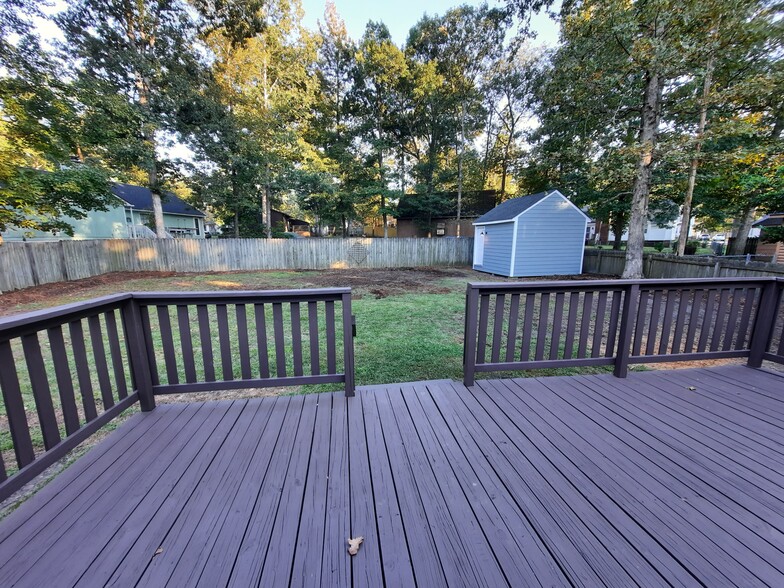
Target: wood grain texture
577, 480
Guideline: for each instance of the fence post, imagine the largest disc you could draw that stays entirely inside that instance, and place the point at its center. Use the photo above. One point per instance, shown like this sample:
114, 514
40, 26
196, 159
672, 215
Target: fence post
469, 335
349, 332
628, 312
764, 323
137, 354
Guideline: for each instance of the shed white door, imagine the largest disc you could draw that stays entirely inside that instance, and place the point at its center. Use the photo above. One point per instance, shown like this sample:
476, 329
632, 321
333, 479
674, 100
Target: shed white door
479, 246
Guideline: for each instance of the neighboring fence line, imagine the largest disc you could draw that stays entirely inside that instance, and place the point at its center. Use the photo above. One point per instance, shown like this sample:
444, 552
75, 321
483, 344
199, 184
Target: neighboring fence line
608, 262
30, 264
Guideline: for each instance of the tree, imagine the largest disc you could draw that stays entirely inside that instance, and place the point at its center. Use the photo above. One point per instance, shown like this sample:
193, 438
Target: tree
142, 52
380, 73
42, 178
462, 44
248, 117
630, 55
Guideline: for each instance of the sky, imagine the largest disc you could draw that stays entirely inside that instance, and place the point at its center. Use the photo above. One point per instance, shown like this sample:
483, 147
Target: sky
401, 15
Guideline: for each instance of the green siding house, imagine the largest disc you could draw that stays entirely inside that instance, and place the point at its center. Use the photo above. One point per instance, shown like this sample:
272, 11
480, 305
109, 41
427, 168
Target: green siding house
127, 219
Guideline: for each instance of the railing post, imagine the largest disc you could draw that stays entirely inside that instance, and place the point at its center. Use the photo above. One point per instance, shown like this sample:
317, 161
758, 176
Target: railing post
764, 323
349, 332
628, 314
469, 335
137, 354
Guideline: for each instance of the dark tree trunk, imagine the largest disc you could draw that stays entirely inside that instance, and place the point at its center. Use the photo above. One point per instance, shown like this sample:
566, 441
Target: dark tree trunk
638, 218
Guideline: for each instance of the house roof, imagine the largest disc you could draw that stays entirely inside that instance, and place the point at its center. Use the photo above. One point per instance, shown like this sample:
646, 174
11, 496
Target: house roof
511, 209
141, 199
774, 219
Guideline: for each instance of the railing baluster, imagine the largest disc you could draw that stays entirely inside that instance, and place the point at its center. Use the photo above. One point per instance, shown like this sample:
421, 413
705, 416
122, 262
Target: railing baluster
708, 320
511, 336
680, 321
313, 333
41, 392
224, 342
149, 347
612, 332
82, 369
331, 339
557, 325
764, 323
571, 325
669, 307
64, 379
186, 342
261, 340
630, 302
296, 338
348, 343
280, 342
598, 329
167, 339
721, 314
498, 328
115, 350
749, 301
639, 323
528, 319
481, 348
243, 341
694, 318
542, 326
14, 407
732, 320
101, 367
585, 324
653, 325
205, 339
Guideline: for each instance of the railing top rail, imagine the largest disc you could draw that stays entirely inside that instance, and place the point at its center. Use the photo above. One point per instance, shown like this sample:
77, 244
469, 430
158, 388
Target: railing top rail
614, 284
36, 320
244, 295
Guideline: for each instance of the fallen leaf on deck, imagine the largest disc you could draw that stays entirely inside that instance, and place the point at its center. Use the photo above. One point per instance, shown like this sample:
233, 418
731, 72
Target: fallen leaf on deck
692, 388
158, 551
353, 545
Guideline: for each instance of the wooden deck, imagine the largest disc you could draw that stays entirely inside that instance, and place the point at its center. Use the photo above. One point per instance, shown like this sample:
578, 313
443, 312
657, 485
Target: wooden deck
586, 481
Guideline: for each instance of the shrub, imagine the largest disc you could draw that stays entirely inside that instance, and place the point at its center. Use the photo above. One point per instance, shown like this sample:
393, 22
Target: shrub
691, 247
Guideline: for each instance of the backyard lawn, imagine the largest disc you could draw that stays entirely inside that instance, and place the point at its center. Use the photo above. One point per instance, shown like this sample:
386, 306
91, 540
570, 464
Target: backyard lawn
409, 321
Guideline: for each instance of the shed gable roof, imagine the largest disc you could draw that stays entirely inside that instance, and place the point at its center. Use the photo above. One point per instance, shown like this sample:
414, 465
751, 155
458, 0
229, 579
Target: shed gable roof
511, 209
141, 199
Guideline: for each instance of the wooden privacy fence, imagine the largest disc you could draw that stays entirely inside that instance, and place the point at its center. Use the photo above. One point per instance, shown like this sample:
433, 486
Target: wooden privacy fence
606, 261
30, 264
621, 322
66, 372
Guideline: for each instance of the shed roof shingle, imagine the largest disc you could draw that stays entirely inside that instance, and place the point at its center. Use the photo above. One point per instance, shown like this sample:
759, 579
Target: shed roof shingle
508, 210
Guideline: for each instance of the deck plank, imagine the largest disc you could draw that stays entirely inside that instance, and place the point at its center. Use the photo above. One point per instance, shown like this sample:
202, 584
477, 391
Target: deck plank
558, 481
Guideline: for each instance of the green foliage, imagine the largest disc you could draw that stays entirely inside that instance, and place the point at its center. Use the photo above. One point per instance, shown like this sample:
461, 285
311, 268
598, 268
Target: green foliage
772, 234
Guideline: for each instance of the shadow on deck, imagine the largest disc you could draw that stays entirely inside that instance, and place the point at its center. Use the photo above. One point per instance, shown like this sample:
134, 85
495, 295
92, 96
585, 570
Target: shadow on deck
588, 481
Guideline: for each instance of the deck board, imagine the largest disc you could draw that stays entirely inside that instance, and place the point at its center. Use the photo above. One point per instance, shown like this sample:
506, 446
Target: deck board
557, 481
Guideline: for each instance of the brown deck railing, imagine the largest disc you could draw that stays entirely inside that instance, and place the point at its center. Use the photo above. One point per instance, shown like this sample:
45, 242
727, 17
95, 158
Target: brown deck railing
620, 322
66, 372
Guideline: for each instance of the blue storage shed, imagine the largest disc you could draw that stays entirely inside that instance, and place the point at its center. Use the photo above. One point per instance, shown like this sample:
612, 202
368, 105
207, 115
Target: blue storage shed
537, 235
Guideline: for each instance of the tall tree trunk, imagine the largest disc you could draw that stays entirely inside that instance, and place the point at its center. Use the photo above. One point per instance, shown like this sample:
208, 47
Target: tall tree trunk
236, 223
266, 205
460, 167
638, 219
157, 205
741, 237
383, 189
695, 161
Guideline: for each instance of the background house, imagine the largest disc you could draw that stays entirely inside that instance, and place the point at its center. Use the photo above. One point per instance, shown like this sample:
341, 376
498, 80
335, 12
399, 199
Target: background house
538, 235
775, 250
130, 217
420, 215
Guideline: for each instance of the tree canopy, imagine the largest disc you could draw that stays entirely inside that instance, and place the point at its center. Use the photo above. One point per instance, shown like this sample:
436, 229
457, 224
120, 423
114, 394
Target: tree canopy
642, 109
